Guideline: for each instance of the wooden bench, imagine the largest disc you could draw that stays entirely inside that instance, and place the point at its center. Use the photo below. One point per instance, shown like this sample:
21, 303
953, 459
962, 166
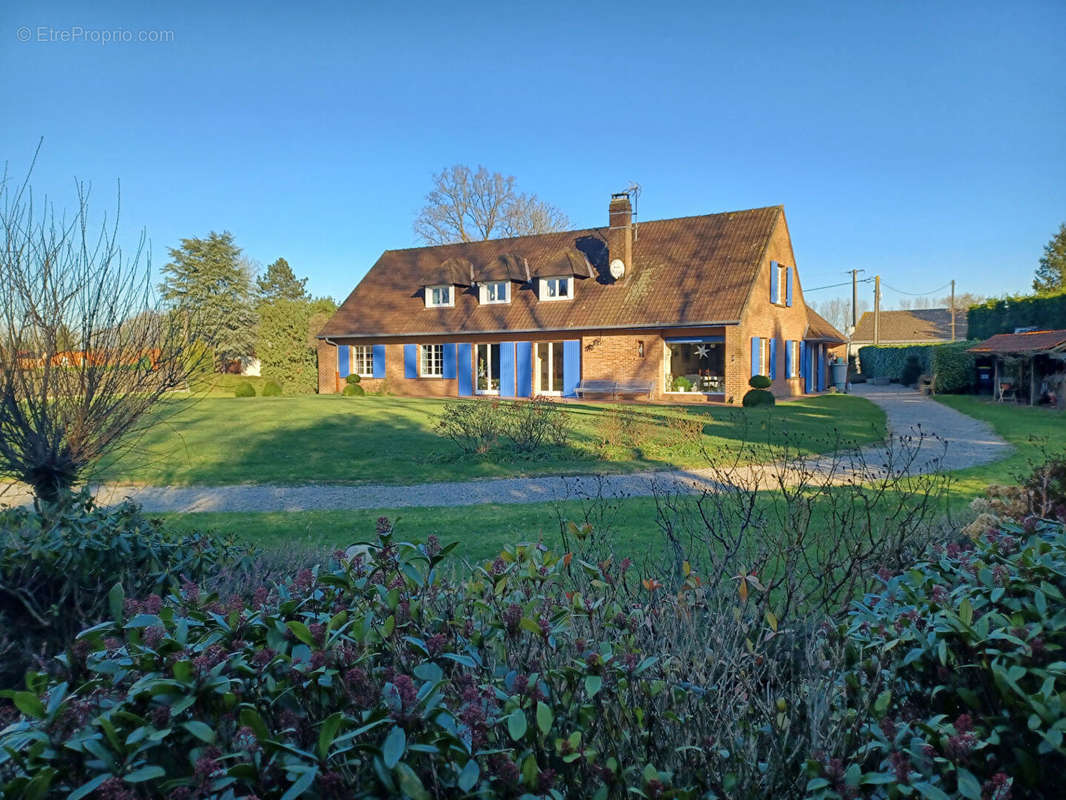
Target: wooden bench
614, 388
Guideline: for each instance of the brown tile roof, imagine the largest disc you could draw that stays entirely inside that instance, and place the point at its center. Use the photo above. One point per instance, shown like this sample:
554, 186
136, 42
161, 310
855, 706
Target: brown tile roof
685, 271
1031, 342
918, 325
819, 328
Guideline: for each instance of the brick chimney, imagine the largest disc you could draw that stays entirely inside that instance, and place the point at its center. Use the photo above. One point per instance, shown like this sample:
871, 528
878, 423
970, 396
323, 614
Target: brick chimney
620, 234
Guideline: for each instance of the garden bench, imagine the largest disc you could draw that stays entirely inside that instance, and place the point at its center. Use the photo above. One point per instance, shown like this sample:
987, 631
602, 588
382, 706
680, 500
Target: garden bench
614, 388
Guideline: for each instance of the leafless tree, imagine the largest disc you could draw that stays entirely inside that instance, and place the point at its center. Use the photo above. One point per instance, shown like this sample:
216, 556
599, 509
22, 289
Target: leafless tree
63, 282
837, 311
467, 206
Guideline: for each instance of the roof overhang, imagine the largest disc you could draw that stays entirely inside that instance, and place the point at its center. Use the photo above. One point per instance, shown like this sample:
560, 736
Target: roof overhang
513, 332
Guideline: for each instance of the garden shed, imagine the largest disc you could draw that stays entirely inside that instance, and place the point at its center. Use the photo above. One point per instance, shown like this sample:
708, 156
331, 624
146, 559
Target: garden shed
1027, 366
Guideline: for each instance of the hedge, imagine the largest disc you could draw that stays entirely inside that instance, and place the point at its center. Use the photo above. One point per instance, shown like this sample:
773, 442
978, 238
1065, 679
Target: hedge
950, 363
1007, 314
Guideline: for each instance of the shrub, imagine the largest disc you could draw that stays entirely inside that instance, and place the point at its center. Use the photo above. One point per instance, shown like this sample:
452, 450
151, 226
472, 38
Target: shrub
271, 389
59, 573
379, 677
244, 389
353, 390
529, 425
680, 384
912, 370
526, 426
353, 378
473, 425
954, 368
1004, 315
758, 397
760, 382
961, 659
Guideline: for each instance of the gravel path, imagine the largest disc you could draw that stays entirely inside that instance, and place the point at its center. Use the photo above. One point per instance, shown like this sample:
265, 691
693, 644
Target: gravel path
911, 416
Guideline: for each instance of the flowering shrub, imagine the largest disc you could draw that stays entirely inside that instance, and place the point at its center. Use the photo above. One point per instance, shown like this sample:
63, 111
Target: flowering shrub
58, 569
535, 675
961, 660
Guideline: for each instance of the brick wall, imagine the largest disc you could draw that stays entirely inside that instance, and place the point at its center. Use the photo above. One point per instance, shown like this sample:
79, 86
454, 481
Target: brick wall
617, 357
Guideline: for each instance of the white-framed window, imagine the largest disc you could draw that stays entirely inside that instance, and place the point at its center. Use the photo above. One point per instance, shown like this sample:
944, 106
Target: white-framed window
431, 363
556, 288
782, 284
549, 368
496, 292
362, 360
793, 358
439, 296
488, 369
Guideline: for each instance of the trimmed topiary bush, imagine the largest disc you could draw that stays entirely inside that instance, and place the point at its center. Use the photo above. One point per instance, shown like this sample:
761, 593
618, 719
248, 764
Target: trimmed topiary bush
244, 389
353, 378
912, 370
353, 390
954, 368
758, 397
759, 382
271, 389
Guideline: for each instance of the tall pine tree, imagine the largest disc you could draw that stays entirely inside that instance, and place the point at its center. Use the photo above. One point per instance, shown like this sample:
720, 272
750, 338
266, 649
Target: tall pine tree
208, 276
1051, 274
279, 282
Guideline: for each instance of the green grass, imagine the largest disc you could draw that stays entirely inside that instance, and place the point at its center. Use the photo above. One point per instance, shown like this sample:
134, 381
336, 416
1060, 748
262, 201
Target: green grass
333, 439
485, 529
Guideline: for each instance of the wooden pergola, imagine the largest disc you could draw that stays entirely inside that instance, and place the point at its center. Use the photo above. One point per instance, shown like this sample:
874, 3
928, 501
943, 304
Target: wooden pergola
1026, 347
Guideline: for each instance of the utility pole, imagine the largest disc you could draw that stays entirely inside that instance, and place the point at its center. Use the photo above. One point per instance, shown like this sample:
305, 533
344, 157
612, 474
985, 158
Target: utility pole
855, 296
953, 311
877, 309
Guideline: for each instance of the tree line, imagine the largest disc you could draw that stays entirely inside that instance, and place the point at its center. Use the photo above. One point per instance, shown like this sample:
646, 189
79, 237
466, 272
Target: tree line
270, 316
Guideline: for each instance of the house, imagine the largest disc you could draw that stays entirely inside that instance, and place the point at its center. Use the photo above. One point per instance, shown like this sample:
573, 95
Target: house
917, 326
683, 309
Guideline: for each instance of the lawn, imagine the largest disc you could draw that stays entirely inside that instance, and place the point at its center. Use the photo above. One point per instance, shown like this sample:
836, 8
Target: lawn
485, 529
343, 440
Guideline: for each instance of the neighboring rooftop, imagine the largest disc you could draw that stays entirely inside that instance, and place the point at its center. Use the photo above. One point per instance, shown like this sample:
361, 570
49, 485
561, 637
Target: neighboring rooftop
918, 325
1029, 342
685, 271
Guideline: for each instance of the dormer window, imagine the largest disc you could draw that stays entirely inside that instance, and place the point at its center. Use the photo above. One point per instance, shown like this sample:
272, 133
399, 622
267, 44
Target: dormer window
496, 292
556, 288
439, 296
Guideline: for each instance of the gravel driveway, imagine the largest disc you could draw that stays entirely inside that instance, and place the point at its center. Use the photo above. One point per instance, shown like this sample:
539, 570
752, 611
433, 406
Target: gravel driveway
966, 442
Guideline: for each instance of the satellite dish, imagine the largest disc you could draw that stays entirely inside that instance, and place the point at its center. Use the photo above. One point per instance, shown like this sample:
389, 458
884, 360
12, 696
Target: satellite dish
618, 268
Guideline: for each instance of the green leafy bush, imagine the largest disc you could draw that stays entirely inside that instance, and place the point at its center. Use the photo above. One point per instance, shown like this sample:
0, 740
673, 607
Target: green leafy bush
912, 370
380, 677
353, 378
271, 389
754, 398
244, 389
57, 573
760, 382
680, 384
954, 368
353, 390
1004, 315
961, 659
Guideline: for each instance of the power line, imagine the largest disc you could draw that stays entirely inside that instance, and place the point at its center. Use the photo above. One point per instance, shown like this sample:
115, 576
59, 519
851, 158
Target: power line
916, 294
835, 285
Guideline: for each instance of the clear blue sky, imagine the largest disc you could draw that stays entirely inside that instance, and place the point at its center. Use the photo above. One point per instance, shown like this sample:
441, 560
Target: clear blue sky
922, 140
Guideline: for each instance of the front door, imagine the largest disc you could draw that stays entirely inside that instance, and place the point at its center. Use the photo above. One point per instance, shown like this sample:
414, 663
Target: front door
488, 369
549, 367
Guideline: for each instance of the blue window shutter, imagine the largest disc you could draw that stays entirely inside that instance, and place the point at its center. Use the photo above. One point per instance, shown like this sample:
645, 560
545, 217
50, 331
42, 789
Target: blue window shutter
788, 286
773, 359
344, 362
821, 367
755, 341
410, 360
506, 369
448, 370
773, 281
571, 367
788, 358
523, 365
809, 363
379, 361
465, 369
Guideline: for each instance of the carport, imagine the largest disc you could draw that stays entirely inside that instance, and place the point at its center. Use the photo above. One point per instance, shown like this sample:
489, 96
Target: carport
1029, 365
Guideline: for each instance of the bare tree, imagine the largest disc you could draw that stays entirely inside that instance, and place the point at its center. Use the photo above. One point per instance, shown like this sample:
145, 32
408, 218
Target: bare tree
62, 409
467, 206
837, 311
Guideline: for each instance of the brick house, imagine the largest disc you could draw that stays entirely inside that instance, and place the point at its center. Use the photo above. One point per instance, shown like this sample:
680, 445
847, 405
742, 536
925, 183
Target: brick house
677, 310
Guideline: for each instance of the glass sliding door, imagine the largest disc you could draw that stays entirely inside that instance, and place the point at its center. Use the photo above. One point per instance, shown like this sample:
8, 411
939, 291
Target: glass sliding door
488, 369
549, 368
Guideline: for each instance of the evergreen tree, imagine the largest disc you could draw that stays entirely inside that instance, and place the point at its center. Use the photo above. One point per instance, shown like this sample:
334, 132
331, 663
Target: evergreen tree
1051, 274
209, 277
287, 347
280, 283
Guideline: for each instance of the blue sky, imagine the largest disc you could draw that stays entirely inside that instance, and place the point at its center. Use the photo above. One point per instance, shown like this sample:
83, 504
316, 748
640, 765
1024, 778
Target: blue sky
924, 141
